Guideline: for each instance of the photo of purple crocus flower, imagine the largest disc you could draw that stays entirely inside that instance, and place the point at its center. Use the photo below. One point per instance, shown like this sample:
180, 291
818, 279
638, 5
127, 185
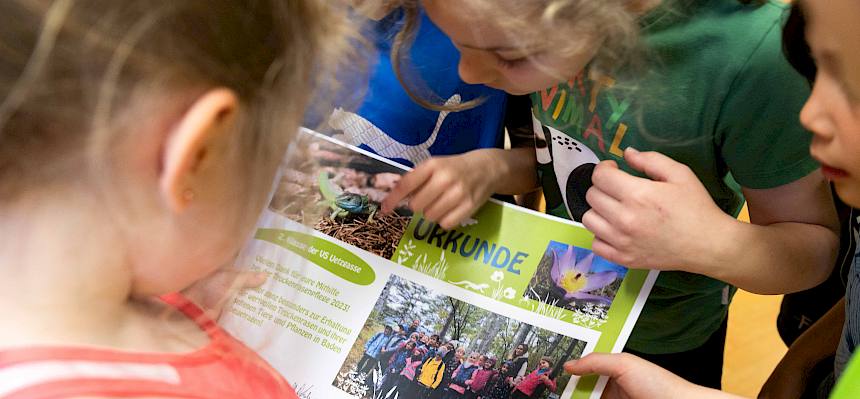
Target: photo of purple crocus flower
573, 278
576, 278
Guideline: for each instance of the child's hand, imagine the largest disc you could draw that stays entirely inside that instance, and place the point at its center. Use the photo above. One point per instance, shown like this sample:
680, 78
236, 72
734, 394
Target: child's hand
448, 189
213, 292
650, 224
631, 378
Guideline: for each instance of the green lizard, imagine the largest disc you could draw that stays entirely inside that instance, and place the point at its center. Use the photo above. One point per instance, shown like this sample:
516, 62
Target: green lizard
343, 203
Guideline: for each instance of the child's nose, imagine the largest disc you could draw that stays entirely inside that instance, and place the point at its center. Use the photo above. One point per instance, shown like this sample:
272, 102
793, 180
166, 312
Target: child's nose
814, 116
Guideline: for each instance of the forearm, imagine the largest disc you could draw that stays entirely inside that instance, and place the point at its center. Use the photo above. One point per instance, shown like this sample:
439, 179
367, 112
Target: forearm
700, 392
513, 171
819, 341
774, 259
790, 377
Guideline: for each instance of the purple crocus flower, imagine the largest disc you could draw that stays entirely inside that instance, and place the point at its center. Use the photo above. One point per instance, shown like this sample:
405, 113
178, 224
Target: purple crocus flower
576, 279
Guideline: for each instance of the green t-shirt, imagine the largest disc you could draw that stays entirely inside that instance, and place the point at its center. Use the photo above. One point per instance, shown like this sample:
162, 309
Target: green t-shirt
718, 96
848, 385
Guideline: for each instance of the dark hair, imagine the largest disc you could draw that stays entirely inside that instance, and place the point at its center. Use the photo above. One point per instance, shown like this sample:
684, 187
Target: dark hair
794, 45
549, 360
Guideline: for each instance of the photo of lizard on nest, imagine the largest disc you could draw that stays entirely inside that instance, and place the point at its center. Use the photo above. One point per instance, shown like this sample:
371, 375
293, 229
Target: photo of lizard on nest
337, 191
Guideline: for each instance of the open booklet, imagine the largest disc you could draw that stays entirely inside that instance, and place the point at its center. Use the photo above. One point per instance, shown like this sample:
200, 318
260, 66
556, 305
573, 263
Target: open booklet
349, 287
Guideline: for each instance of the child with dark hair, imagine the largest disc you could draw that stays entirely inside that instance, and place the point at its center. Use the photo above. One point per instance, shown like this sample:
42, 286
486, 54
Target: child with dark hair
431, 373
432, 346
832, 115
535, 383
406, 386
499, 387
453, 358
395, 366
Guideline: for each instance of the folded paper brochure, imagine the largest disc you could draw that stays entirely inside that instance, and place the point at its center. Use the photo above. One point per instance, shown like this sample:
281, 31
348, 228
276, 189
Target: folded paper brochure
349, 288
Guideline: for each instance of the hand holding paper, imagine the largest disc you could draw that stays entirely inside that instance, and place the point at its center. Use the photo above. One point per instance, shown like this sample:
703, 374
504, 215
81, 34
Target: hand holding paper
633, 378
652, 223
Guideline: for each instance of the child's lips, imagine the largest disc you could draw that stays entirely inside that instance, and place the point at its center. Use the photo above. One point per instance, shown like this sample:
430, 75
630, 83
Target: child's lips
832, 173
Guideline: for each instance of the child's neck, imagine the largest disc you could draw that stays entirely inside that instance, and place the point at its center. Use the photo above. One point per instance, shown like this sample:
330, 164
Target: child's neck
64, 278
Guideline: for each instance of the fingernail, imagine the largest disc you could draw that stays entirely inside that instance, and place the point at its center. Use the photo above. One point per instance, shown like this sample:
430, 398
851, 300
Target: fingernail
633, 150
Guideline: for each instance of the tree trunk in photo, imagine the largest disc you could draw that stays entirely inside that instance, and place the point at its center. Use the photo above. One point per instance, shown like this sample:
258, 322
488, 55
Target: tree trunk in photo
383, 299
531, 338
462, 321
507, 340
557, 369
491, 327
554, 347
452, 314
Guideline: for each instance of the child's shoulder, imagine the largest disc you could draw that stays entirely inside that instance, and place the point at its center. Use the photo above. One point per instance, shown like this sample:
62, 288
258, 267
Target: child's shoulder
66, 371
137, 372
709, 24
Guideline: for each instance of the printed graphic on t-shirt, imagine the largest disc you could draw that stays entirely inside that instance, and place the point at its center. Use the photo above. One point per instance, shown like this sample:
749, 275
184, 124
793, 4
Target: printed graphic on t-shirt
570, 154
359, 132
573, 164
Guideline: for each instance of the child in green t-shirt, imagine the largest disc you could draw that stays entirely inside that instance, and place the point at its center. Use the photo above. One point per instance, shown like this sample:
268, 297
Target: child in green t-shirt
705, 103
832, 113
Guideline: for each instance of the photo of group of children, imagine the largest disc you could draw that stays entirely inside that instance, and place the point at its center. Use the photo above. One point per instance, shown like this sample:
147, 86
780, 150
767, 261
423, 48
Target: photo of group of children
337, 191
576, 279
418, 343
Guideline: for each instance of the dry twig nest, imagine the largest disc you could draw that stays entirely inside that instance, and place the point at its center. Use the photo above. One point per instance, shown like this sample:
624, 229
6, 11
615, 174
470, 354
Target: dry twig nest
380, 236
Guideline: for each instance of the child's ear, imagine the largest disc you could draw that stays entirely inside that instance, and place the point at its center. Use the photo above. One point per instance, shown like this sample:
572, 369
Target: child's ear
189, 143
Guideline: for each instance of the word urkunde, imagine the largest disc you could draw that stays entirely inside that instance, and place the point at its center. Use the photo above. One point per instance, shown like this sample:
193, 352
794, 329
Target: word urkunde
459, 243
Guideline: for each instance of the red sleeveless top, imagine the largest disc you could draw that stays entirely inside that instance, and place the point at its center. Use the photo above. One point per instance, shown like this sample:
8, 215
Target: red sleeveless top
225, 368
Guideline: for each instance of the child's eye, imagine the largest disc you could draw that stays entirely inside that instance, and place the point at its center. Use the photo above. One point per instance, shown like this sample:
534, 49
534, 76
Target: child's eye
510, 64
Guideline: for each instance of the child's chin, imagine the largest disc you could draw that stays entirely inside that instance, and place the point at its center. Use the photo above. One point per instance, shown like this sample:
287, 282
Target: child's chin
849, 192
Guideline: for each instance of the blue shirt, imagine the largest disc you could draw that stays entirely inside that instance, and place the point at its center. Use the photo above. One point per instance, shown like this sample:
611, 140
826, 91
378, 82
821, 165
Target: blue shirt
390, 124
851, 329
375, 344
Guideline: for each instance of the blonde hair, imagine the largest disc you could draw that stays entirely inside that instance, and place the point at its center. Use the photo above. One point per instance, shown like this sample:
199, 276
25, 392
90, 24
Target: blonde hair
573, 23
72, 72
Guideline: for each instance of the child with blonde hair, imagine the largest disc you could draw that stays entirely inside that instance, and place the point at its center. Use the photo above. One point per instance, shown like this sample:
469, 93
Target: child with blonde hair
645, 113
138, 140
